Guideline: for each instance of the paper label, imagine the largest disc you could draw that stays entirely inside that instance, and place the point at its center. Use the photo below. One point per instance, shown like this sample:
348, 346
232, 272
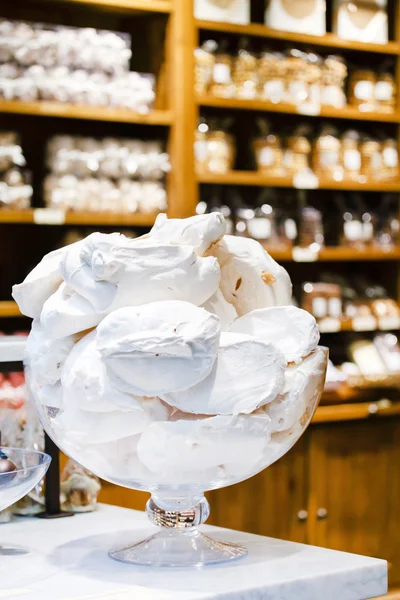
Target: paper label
390, 157
274, 90
332, 95
309, 108
290, 228
49, 216
329, 325
259, 228
383, 90
305, 180
376, 161
364, 323
353, 230
364, 90
335, 307
329, 158
352, 160
319, 307
222, 73
304, 255
367, 231
298, 91
266, 157
389, 322
200, 150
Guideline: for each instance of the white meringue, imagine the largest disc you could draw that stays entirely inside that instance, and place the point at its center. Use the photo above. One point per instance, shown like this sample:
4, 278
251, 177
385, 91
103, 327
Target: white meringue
87, 387
78, 276
144, 271
40, 283
45, 355
250, 278
159, 347
203, 443
200, 232
303, 383
293, 330
66, 313
223, 309
247, 374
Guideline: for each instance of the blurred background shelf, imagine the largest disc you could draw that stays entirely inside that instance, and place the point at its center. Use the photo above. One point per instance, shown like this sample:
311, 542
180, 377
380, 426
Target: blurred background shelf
89, 113
141, 6
76, 218
328, 40
9, 309
348, 112
256, 179
339, 253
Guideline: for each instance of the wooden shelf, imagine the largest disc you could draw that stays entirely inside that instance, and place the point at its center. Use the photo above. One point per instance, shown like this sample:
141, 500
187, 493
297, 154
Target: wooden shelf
78, 218
349, 112
9, 309
353, 412
329, 40
341, 253
257, 179
91, 113
140, 6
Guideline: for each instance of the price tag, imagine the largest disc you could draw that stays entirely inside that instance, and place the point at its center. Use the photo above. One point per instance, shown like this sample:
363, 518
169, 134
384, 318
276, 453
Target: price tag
304, 255
49, 216
309, 108
364, 324
389, 322
305, 180
329, 325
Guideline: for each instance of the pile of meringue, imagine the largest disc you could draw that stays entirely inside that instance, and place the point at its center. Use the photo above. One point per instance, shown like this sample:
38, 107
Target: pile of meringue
172, 359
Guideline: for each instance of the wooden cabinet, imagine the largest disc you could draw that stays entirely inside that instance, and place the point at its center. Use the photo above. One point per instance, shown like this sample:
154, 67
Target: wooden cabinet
339, 487
353, 489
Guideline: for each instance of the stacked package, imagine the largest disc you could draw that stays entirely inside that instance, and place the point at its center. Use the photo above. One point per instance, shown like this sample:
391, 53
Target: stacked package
112, 175
68, 64
15, 189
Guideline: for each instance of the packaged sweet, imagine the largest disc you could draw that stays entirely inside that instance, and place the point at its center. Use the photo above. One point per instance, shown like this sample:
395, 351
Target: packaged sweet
79, 488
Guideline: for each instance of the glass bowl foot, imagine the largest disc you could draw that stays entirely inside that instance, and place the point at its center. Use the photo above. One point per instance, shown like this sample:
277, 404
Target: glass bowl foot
179, 543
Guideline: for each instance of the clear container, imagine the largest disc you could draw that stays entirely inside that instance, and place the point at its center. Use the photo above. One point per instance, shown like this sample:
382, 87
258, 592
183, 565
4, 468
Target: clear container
263, 226
350, 155
298, 153
390, 160
204, 61
326, 157
311, 229
272, 77
220, 151
297, 86
371, 159
269, 155
385, 92
334, 73
221, 83
245, 72
362, 90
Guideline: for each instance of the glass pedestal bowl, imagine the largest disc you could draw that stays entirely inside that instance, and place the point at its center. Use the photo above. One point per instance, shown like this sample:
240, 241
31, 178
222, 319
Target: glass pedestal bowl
31, 467
177, 457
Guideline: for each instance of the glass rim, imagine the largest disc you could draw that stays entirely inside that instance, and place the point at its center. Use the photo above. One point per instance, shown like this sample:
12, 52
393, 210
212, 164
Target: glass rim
46, 459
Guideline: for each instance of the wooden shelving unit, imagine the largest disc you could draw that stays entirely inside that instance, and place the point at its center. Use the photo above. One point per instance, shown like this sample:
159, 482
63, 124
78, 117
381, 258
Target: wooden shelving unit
88, 113
349, 112
141, 6
328, 40
77, 218
9, 309
341, 254
258, 179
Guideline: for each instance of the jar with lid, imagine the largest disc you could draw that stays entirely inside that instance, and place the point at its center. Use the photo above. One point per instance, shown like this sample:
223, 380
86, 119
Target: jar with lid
204, 61
268, 151
334, 73
297, 88
327, 154
263, 226
272, 77
362, 89
390, 159
313, 79
385, 92
243, 218
371, 159
201, 146
298, 152
221, 83
245, 72
350, 155
311, 230
220, 149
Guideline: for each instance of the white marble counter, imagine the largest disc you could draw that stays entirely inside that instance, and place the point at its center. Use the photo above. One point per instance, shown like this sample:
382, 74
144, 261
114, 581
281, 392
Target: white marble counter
71, 563
12, 348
